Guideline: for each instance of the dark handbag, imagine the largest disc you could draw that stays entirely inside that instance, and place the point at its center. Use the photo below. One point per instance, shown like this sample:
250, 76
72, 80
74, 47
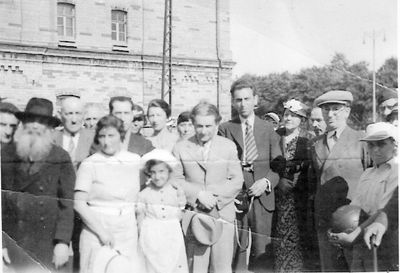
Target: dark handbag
243, 201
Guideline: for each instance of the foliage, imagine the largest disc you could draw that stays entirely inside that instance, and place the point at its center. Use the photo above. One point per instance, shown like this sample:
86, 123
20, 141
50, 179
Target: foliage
309, 83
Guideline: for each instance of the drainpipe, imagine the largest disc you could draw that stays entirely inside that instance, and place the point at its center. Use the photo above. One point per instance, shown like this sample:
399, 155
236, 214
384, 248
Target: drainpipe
217, 44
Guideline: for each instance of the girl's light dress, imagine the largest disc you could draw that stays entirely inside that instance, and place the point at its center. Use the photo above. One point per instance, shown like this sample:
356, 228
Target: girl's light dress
161, 237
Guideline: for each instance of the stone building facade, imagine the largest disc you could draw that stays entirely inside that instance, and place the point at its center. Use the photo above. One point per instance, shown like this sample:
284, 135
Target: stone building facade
101, 48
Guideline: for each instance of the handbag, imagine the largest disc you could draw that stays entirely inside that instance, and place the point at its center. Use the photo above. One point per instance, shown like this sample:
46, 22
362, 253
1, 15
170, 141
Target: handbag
242, 201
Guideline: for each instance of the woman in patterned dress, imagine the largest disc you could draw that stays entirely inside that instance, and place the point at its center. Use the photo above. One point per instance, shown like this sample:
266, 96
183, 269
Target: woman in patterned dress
291, 193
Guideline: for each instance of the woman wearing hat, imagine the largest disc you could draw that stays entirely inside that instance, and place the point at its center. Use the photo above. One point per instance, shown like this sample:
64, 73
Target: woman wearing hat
159, 211
159, 112
291, 193
105, 195
375, 188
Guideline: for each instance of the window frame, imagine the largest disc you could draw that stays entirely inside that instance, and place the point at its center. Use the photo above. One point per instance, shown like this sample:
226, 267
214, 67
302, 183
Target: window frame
64, 36
118, 24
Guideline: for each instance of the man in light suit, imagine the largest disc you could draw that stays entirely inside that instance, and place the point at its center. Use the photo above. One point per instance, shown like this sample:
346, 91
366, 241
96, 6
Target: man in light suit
257, 146
76, 140
338, 156
211, 177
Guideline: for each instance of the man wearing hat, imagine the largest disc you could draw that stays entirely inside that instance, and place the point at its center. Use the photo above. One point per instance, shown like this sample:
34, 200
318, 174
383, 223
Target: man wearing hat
375, 188
211, 177
336, 153
8, 122
387, 101
37, 188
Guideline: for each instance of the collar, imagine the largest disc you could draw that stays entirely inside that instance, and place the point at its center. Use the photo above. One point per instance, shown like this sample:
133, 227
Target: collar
68, 134
391, 163
250, 119
338, 131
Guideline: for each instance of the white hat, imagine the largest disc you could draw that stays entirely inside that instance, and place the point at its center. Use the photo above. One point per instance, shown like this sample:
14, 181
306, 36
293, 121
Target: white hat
162, 155
272, 115
380, 130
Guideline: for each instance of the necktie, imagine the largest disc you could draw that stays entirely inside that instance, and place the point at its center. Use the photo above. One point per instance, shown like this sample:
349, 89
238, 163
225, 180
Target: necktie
250, 144
71, 148
331, 141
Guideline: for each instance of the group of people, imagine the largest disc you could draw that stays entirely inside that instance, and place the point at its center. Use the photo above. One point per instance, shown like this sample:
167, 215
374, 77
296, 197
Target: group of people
86, 193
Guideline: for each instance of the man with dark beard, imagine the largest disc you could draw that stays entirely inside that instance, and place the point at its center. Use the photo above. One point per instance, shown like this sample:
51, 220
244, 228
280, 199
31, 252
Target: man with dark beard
37, 190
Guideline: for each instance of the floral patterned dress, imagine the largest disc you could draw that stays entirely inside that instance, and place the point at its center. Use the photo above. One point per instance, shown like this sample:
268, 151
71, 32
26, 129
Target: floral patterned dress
287, 245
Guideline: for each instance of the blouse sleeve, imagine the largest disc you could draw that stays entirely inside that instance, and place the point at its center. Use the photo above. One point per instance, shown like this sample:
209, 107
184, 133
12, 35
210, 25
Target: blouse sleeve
84, 177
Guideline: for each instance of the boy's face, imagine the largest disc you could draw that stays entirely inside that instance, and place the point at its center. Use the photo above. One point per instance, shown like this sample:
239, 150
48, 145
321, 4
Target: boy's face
381, 150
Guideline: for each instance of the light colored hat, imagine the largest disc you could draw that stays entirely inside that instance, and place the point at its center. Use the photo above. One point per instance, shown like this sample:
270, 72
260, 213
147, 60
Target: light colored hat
206, 226
296, 107
108, 260
160, 154
274, 116
380, 130
334, 96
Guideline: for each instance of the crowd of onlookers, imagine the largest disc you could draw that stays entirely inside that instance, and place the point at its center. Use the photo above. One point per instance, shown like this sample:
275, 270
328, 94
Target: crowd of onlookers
137, 191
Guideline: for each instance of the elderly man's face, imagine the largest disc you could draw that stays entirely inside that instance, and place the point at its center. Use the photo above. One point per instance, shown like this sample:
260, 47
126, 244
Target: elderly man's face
387, 106
92, 116
205, 127
72, 115
8, 125
317, 121
335, 115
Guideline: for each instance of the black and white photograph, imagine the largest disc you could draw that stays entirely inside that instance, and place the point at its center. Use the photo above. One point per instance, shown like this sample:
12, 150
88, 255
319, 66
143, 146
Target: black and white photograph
199, 136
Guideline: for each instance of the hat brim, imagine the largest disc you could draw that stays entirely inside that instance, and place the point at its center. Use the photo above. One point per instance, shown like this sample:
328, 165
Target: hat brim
51, 121
333, 101
376, 137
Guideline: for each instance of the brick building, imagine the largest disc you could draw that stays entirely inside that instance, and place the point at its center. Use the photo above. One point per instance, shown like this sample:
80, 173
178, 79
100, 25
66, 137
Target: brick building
105, 47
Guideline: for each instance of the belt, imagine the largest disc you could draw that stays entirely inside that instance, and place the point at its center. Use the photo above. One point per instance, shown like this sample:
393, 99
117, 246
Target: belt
247, 167
114, 211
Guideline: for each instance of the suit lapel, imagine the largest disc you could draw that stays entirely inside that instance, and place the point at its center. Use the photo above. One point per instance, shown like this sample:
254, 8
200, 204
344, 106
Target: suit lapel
195, 152
237, 133
59, 138
339, 147
321, 151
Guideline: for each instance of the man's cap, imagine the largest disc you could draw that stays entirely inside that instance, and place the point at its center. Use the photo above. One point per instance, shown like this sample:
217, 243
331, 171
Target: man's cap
273, 116
41, 109
7, 107
334, 96
379, 131
386, 94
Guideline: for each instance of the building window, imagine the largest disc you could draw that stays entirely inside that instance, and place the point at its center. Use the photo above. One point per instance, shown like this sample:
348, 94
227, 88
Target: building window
66, 20
118, 26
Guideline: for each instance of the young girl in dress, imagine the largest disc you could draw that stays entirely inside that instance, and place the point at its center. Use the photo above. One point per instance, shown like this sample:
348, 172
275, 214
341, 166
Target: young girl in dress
159, 212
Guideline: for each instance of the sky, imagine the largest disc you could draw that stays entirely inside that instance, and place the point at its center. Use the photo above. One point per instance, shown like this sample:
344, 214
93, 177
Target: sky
270, 36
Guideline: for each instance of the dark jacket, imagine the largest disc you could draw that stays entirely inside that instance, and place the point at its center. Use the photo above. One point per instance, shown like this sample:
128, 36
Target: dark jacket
38, 201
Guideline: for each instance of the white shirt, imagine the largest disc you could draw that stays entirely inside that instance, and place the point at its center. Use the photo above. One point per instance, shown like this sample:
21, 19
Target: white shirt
243, 123
127, 138
67, 139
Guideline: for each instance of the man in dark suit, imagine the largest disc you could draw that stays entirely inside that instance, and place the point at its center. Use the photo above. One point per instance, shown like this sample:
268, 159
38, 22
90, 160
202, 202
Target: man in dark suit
122, 107
257, 145
336, 153
37, 191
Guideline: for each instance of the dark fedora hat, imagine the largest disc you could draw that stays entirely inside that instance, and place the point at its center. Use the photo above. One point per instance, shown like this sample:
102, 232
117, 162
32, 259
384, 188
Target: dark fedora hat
41, 110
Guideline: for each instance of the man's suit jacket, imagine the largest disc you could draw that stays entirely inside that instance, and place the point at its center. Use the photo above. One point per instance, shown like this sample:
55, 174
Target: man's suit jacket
221, 174
267, 142
85, 140
348, 159
37, 201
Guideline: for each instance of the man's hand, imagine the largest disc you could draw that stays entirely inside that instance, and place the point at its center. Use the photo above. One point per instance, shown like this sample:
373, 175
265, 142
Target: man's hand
285, 184
61, 255
107, 239
207, 199
374, 229
259, 187
6, 257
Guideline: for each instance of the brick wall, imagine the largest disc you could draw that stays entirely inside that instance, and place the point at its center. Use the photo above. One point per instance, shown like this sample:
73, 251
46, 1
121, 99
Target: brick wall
32, 63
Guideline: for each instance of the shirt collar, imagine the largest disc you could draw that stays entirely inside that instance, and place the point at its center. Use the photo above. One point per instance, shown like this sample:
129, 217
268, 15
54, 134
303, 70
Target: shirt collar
392, 163
338, 131
249, 118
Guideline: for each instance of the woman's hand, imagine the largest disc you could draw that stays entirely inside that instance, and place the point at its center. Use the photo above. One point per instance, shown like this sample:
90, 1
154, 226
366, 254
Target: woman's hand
107, 239
285, 184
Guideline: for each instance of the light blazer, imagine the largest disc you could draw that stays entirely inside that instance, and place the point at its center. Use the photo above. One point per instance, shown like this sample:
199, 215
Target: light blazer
221, 174
267, 142
85, 140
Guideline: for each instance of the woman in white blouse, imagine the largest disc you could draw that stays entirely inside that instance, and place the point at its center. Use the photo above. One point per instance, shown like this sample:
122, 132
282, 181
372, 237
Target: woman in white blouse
105, 195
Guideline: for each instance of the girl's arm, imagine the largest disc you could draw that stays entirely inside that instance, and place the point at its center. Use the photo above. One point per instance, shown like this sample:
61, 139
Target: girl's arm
90, 219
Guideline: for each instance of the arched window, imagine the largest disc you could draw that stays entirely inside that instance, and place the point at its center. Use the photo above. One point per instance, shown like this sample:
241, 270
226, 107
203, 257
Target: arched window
119, 25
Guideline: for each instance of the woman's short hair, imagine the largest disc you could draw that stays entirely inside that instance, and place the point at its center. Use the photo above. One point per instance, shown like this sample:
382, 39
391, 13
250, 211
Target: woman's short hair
161, 104
109, 121
153, 162
204, 108
183, 117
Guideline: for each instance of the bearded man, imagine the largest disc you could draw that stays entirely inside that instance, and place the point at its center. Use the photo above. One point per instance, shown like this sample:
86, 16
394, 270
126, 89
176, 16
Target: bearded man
37, 190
